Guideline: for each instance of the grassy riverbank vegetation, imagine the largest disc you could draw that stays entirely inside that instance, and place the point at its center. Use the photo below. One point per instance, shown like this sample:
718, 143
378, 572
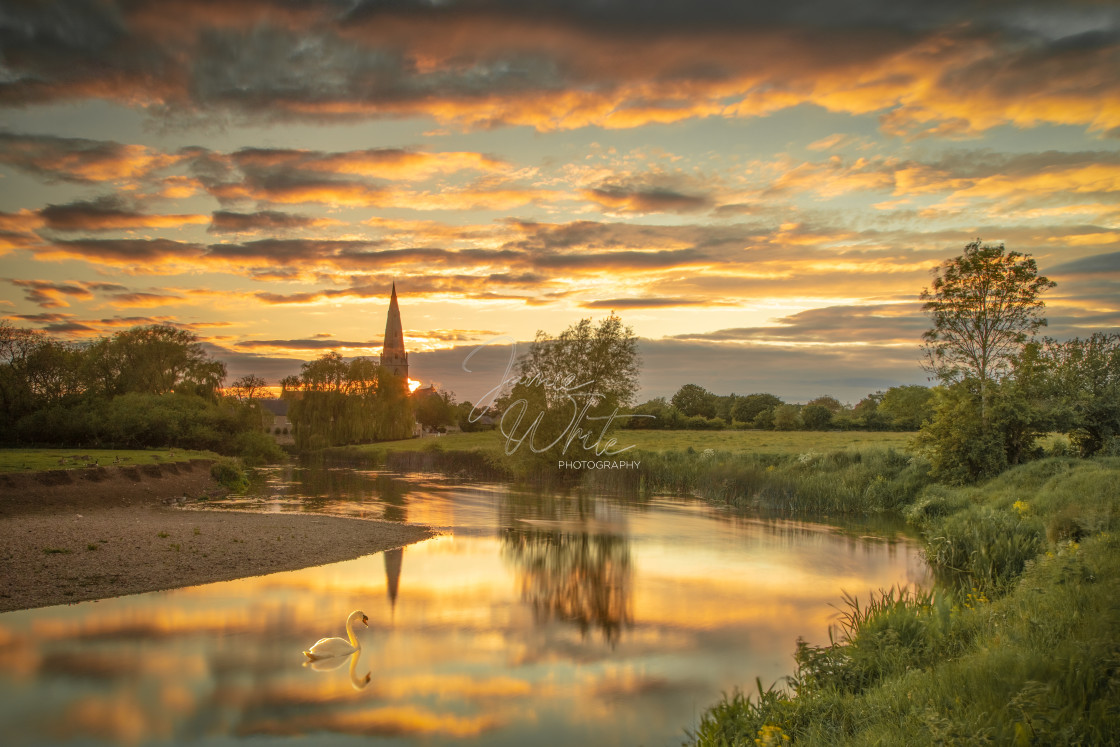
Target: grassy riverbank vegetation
1020, 645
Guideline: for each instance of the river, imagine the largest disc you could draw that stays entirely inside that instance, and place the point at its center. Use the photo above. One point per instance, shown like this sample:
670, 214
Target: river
533, 618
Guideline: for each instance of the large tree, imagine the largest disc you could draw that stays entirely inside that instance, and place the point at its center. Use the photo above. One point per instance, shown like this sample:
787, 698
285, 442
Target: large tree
984, 305
693, 399
569, 392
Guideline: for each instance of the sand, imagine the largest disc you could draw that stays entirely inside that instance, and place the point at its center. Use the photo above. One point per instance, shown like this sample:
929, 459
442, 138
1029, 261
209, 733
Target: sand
75, 535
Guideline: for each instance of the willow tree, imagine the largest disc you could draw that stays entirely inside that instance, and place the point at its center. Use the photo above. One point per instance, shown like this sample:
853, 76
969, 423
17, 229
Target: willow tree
985, 305
335, 402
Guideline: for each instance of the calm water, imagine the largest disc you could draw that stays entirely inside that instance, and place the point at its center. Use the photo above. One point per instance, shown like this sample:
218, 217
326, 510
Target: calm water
533, 619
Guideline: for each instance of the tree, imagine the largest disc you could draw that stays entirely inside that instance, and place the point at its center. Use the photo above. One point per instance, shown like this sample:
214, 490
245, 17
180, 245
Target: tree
828, 402
866, 412
746, 409
961, 448
692, 399
335, 402
1080, 382
984, 305
247, 388
602, 361
787, 417
434, 408
816, 417
905, 408
569, 392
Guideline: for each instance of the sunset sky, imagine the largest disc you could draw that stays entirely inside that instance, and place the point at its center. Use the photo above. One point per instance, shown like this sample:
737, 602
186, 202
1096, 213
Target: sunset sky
761, 190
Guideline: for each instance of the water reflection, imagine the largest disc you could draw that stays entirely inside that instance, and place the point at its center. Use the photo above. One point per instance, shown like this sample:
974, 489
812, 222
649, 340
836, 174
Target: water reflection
534, 619
329, 665
581, 578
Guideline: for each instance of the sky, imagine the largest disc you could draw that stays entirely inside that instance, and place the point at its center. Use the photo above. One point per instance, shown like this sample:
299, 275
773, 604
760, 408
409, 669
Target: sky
759, 190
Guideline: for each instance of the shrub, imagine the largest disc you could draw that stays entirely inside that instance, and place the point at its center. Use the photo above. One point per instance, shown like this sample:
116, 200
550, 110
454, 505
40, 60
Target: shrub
230, 473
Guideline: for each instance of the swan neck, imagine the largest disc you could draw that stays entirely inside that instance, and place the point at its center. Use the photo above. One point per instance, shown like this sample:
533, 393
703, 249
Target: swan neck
350, 632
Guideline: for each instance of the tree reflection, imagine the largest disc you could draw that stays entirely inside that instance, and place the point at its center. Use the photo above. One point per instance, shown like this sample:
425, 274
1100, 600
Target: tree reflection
582, 578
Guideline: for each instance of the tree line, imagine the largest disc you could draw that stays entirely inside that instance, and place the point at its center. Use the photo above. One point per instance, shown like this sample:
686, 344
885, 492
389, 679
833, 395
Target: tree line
900, 408
999, 388
150, 386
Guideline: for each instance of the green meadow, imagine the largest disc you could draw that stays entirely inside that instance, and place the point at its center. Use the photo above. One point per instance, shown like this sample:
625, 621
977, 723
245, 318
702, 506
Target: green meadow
732, 441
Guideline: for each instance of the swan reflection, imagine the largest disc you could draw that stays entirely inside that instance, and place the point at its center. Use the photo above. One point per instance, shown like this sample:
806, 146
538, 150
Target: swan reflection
329, 665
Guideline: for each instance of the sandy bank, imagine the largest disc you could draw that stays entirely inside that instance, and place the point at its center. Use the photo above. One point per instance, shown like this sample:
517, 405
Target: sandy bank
108, 531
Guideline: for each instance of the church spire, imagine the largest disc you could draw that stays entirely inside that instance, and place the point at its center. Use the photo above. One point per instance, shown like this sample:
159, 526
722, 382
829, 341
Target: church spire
393, 355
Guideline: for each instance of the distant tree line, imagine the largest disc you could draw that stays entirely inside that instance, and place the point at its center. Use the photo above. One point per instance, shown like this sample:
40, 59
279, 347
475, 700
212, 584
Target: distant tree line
150, 386
900, 408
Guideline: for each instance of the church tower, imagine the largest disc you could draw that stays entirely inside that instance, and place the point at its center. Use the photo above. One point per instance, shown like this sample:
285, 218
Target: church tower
393, 355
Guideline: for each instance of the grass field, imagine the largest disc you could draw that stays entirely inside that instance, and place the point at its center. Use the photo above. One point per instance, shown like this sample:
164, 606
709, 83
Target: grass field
20, 460
735, 442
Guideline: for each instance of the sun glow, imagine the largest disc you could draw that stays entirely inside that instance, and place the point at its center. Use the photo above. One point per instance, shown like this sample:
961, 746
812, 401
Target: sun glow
413, 385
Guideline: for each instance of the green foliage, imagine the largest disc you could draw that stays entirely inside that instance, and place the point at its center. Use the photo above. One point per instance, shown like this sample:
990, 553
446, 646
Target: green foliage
230, 473
145, 387
984, 305
434, 409
256, 448
748, 409
962, 447
905, 408
1025, 651
569, 394
816, 417
335, 402
1079, 381
693, 400
787, 417
840, 482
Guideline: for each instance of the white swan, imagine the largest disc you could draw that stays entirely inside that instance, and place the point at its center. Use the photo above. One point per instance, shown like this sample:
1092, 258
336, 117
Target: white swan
327, 647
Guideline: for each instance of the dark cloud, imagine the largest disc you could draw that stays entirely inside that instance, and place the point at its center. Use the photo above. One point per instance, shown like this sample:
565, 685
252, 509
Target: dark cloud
312, 344
285, 250
106, 214
69, 328
637, 198
644, 303
623, 260
50, 295
131, 252
627, 62
1096, 264
271, 368
224, 221
832, 324
78, 159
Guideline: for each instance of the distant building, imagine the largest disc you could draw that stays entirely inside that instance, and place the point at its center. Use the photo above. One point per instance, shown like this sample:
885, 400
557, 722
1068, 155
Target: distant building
393, 355
277, 422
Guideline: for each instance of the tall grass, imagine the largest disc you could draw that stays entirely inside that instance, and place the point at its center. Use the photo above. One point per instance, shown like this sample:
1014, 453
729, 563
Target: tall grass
1023, 649
838, 482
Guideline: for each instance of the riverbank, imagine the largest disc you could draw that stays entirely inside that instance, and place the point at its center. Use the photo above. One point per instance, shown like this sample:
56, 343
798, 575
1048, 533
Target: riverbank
77, 535
1019, 645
